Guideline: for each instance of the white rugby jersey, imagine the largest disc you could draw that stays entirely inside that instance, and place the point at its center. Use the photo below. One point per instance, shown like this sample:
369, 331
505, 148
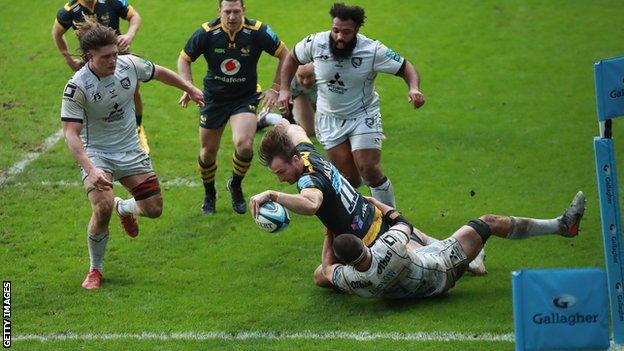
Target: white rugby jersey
105, 105
395, 271
346, 87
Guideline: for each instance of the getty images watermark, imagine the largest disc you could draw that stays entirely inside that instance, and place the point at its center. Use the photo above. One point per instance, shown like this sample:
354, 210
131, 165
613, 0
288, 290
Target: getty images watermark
6, 314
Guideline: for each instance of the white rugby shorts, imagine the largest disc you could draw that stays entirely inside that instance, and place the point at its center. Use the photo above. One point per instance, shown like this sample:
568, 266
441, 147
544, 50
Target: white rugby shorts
362, 132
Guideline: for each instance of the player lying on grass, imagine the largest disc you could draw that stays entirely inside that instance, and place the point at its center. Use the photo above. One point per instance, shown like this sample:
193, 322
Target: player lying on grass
100, 131
323, 191
397, 267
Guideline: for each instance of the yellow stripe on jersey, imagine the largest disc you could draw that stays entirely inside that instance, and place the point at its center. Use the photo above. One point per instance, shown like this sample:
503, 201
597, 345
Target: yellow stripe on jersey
279, 49
68, 7
185, 56
373, 231
254, 27
130, 13
208, 28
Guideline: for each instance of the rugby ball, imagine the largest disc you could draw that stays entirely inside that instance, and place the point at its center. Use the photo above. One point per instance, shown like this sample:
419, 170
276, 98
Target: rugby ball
272, 217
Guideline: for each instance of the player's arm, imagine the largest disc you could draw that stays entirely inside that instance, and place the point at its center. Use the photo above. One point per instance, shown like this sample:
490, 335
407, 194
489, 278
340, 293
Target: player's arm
289, 69
329, 262
306, 203
412, 79
295, 132
134, 22
167, 76
270, 96
58, 34
184, 70
95, 176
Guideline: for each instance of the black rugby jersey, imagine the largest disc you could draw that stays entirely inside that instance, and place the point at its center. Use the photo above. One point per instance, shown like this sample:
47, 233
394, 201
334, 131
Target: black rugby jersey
344, 209
108, 13
232, 58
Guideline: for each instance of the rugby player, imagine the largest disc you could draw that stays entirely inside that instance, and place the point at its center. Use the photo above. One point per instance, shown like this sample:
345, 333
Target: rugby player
323, 191
348, 119
108, 13
396, 267
231, 45
98, 123
303, 106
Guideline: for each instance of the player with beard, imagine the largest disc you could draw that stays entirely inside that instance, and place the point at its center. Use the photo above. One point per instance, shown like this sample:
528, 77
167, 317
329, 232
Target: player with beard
348, 119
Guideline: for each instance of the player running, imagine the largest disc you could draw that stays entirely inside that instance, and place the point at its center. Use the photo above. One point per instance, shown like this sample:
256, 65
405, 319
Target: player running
108, 13
231, 45
99, 127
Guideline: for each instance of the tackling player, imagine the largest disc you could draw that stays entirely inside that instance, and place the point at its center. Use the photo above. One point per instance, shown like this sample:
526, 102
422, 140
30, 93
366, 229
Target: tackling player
99, 129
395, 267
348, 119
324, 192
231, 45
108, 13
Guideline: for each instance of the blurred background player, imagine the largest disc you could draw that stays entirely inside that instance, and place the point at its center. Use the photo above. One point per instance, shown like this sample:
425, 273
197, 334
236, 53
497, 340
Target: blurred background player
99, 128
108, 13
303, 106
348, 119
396, 267
231, 45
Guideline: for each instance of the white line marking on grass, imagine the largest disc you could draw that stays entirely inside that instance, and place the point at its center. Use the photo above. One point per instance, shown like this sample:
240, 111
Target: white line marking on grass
254, 335
19, 166
182, 182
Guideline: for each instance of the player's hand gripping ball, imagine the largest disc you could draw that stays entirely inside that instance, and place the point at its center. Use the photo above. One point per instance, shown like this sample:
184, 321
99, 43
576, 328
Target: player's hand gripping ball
272, 217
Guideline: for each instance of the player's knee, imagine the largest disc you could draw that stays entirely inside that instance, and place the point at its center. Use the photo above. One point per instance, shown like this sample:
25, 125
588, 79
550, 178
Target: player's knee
371, 173
244, 147
208, 152
153, 207
103, 208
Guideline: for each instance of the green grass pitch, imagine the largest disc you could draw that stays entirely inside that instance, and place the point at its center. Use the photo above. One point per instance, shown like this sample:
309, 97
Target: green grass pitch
509, 118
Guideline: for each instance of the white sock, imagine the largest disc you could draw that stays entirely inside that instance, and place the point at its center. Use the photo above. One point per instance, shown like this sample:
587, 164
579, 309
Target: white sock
127, 207
273, 118
522, 228
384, 193
97, 247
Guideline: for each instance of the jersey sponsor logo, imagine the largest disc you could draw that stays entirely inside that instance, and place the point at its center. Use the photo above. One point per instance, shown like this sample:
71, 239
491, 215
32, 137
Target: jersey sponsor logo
97, 97
383, 264
231, 79
70, 90
245, 51
230, 66
116, 114
393, 55
356, 62
231, 45
113, 93
360, 285
336, 85
125, 83
357, 223
219, 51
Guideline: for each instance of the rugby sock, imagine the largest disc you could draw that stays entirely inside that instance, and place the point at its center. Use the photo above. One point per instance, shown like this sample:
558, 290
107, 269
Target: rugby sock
97, 247
384, 192
241, 166
273, 118
127, 207
207, 172
522, 228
